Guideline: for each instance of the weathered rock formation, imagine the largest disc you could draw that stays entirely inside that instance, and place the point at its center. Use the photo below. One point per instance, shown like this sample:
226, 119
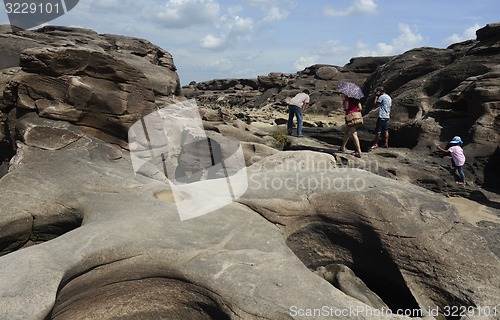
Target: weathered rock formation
83, 237
437, 94
129, 255
100, 83
391, 234
273, 90
343, 278
447, 92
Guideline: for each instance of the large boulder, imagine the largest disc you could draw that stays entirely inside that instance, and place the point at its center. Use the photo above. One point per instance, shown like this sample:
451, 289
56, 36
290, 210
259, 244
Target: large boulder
85, 87
443, 93
101, 83
407, 244
117, 249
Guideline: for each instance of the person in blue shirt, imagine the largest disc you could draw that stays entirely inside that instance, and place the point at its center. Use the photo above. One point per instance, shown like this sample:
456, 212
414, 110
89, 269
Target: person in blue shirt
384, 102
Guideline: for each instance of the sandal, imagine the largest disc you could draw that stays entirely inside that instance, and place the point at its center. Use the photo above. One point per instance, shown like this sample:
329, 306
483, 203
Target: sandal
357, 155
374, 147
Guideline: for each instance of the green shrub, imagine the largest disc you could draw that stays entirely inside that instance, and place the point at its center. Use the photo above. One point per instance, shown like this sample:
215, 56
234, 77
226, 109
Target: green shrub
280, 137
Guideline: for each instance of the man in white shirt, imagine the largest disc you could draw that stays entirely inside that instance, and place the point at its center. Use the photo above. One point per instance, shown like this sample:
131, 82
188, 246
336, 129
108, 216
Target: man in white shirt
384, 102
296, 107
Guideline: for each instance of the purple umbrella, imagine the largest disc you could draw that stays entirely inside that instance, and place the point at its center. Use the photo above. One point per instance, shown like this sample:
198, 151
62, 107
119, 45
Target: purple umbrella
351, 90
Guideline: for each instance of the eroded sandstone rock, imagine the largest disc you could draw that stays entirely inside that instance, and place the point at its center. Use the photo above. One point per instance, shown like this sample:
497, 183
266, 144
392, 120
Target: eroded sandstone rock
343, 278
406, 243
81, 237
101, 83
229, 264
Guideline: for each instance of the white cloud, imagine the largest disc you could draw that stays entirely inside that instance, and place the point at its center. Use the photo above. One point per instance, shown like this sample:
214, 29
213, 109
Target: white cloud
338, 53
358, 7
333, 48
185, 13
106, 4
264, 4
241, 25
304, 62
408, 39
469, 33
232, 29
224, 63
235, 10
211, 42
258, 3
275, 14
273, 10
361, 46
219, 67
111, 7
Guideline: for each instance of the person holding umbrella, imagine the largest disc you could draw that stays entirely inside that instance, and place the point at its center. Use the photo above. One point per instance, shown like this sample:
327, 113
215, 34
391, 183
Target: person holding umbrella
352, 107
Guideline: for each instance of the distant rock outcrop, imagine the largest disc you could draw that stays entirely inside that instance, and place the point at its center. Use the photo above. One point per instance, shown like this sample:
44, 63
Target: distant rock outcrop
275, 88
441, 93
437, 94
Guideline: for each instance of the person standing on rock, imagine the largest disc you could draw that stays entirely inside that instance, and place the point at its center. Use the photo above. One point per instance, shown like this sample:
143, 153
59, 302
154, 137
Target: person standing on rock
296, 107
457, 158
351, 105
384, 102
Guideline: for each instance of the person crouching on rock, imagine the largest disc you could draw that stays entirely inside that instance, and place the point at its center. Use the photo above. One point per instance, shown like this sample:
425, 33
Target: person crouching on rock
296, 107
457, 158
351, 105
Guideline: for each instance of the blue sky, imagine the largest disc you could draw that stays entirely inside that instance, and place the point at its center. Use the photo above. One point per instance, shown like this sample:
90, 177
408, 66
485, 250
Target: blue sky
212, 39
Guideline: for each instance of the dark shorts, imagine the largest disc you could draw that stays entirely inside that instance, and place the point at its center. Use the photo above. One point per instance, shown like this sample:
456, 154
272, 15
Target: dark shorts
382, 125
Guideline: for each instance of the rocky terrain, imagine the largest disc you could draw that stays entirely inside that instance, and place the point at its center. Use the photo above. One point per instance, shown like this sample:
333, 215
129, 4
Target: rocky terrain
91, 225
437, 94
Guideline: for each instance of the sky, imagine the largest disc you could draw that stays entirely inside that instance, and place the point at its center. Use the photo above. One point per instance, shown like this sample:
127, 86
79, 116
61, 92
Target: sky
216, 39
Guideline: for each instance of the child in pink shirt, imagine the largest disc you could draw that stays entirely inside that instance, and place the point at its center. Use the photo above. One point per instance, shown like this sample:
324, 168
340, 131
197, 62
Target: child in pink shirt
457, 158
